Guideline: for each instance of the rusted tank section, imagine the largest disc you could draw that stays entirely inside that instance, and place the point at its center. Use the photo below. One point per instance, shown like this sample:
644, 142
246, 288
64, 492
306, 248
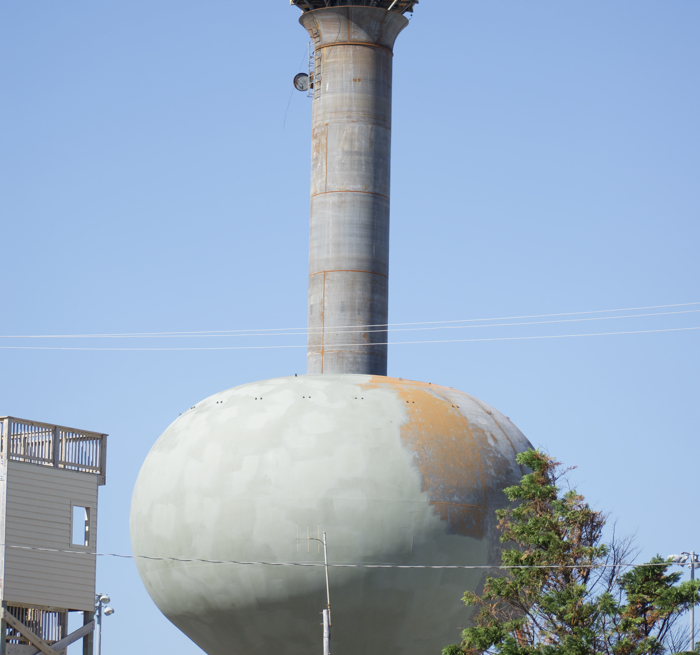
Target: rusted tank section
350, 188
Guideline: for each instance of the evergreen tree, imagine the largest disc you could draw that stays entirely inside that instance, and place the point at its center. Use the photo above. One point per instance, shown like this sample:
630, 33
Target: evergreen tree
572, 595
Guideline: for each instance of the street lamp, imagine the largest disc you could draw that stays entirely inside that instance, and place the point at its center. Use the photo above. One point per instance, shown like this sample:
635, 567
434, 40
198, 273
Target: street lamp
689, 559
101, 605
327, 612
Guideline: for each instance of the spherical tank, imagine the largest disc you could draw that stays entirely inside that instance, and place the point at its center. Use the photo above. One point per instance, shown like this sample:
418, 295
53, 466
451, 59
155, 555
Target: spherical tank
394, 471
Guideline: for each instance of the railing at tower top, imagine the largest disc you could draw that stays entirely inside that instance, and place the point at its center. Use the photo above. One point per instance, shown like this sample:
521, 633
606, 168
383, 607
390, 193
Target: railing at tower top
45, 444
400, 6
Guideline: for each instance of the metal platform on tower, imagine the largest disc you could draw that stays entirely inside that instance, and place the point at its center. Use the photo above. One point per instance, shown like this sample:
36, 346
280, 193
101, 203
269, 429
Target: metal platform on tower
400, 6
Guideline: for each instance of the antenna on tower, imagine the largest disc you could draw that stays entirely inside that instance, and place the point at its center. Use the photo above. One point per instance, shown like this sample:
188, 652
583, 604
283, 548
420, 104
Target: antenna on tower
305, 81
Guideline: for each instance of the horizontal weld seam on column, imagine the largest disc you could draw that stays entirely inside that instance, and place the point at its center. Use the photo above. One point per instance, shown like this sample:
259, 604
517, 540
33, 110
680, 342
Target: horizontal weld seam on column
348, 347
348, 270
340, 330
343, 347
325, 123
331, 350
367, 45
369, 193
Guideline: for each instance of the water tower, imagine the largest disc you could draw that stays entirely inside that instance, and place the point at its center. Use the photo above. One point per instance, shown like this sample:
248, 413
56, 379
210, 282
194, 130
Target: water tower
395, 471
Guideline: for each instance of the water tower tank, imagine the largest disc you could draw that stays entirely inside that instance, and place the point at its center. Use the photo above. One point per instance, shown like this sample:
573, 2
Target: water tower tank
394, 471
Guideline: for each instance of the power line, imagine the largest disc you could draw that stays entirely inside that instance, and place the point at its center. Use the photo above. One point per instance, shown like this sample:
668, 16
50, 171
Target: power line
337, 566
345, 345
341, 330
304, 330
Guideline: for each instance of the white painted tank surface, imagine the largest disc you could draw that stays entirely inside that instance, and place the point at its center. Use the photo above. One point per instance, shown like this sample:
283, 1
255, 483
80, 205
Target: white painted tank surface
393, 471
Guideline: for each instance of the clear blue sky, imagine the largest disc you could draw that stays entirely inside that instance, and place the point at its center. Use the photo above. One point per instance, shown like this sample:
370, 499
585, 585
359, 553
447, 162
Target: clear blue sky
546, 159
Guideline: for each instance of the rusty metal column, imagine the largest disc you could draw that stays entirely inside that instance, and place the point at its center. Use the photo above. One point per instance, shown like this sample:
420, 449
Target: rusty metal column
350, 174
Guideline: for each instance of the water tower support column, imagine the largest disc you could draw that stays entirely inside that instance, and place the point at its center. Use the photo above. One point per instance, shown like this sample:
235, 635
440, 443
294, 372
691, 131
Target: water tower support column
350, 187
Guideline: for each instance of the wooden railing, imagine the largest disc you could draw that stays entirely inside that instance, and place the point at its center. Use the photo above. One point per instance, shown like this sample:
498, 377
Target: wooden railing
51, 626
53, 445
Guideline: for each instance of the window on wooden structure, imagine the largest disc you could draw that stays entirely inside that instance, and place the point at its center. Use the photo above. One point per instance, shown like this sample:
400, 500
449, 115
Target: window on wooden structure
80, 532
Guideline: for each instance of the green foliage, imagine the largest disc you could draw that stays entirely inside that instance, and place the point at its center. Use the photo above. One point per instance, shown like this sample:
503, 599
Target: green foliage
572, 595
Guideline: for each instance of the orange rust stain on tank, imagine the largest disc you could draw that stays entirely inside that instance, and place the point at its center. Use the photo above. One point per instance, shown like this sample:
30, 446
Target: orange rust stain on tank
444, 451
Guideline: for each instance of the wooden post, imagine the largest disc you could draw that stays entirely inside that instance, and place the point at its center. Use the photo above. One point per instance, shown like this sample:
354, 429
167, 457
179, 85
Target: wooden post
88, 639
56, 446
103, 460
7, 424
3, 630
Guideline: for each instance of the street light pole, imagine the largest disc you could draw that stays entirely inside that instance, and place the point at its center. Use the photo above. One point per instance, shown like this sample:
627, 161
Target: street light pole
100, 601
327, 612
98, 626
691, 560
326, 634
328, 589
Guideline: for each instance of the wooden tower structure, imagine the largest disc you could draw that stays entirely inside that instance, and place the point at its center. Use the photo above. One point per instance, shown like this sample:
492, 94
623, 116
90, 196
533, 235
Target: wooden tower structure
49, 478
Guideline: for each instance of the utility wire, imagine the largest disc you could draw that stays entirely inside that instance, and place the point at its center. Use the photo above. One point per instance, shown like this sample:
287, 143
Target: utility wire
337, 566
258, 332
347, 345
343, 330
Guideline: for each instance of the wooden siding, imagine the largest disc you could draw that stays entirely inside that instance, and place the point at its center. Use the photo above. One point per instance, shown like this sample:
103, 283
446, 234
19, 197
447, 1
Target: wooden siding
39, 513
